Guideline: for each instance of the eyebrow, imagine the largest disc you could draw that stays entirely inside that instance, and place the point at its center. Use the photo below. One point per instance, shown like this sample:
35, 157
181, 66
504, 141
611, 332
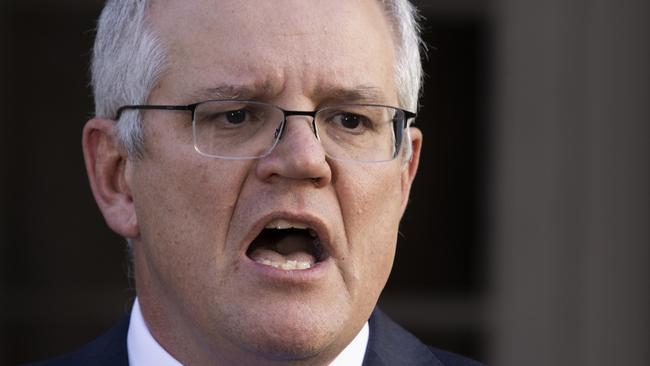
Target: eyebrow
226, 91
322, 93
357, 94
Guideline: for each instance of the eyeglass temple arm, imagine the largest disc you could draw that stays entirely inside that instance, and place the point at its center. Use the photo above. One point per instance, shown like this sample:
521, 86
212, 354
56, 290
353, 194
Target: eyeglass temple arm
159, 107
408, 115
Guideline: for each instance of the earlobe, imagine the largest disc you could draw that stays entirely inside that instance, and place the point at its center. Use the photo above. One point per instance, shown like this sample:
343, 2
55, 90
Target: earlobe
107, 167
411, 163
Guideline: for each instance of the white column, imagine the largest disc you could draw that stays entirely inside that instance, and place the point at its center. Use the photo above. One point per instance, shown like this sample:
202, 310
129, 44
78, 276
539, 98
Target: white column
571, 183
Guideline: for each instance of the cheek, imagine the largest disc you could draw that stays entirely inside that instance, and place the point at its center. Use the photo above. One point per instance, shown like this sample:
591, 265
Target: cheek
371, 209
372, 196
183, 209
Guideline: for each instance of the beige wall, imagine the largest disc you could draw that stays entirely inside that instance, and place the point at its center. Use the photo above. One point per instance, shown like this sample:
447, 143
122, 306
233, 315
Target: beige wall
572, 183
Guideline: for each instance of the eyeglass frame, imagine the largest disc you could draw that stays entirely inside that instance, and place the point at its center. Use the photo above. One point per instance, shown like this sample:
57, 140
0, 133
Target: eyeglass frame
408, 117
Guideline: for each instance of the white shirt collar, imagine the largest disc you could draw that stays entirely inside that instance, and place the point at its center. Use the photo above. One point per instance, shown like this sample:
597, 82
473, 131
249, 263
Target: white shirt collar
353, 353
143, 349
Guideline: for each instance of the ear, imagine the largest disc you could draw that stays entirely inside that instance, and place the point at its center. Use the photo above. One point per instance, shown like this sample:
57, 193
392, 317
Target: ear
410, 167
108, 170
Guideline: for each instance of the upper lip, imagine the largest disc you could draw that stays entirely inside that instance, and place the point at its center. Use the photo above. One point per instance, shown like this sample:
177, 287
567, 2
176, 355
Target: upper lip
304, 219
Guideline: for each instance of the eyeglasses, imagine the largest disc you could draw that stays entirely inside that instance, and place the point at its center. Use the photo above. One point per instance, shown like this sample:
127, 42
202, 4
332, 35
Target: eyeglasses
242, 129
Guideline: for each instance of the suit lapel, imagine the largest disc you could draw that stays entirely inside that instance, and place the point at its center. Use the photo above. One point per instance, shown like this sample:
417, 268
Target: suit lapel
110, 349
389, 344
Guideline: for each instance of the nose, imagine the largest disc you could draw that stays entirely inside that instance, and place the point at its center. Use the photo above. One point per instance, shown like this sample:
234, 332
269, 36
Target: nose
298, 155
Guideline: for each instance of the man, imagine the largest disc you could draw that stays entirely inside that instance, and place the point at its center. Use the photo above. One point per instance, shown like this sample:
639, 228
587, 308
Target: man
257, 156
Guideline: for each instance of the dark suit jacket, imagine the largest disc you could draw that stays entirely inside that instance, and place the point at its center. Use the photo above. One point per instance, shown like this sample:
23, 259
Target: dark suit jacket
388, 345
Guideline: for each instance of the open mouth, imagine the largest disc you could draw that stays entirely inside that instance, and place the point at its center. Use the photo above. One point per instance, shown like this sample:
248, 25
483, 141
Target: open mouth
287, 245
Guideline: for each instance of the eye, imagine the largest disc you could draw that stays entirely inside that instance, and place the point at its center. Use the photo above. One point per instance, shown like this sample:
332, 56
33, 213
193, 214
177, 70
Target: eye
349, 122
236, 117
224, 117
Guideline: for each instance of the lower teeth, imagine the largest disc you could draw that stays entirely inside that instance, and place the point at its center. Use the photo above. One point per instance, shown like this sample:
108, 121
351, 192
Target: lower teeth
287, 265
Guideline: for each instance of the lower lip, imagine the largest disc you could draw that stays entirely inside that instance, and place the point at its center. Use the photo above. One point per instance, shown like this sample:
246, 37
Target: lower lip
293, 276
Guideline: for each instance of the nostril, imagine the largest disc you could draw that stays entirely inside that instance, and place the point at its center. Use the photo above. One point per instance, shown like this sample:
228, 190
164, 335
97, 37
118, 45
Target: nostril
317, 182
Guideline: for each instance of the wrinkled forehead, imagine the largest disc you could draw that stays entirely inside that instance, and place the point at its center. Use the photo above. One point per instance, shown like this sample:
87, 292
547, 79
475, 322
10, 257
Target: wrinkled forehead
303, 16
348, 43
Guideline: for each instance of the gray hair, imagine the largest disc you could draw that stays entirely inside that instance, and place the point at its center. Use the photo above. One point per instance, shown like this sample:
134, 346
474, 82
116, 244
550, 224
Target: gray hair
128, 59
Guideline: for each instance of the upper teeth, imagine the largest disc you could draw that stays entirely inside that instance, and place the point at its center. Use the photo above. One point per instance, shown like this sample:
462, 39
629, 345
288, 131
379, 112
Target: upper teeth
281, 224
286, 265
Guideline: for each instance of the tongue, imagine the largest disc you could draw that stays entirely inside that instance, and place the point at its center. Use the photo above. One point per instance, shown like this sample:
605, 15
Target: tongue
292, 247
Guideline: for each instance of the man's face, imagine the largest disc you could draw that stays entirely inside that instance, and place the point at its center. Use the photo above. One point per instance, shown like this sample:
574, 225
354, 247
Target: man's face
202, 220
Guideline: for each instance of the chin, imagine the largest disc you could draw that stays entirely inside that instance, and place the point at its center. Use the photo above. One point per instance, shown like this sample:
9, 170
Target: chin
293, 333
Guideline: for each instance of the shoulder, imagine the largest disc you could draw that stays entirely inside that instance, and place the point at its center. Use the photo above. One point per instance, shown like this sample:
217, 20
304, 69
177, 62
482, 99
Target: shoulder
452, 359
390, 344
109, 349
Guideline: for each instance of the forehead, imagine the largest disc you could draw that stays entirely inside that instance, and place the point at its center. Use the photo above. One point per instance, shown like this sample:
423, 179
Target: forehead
268, 46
